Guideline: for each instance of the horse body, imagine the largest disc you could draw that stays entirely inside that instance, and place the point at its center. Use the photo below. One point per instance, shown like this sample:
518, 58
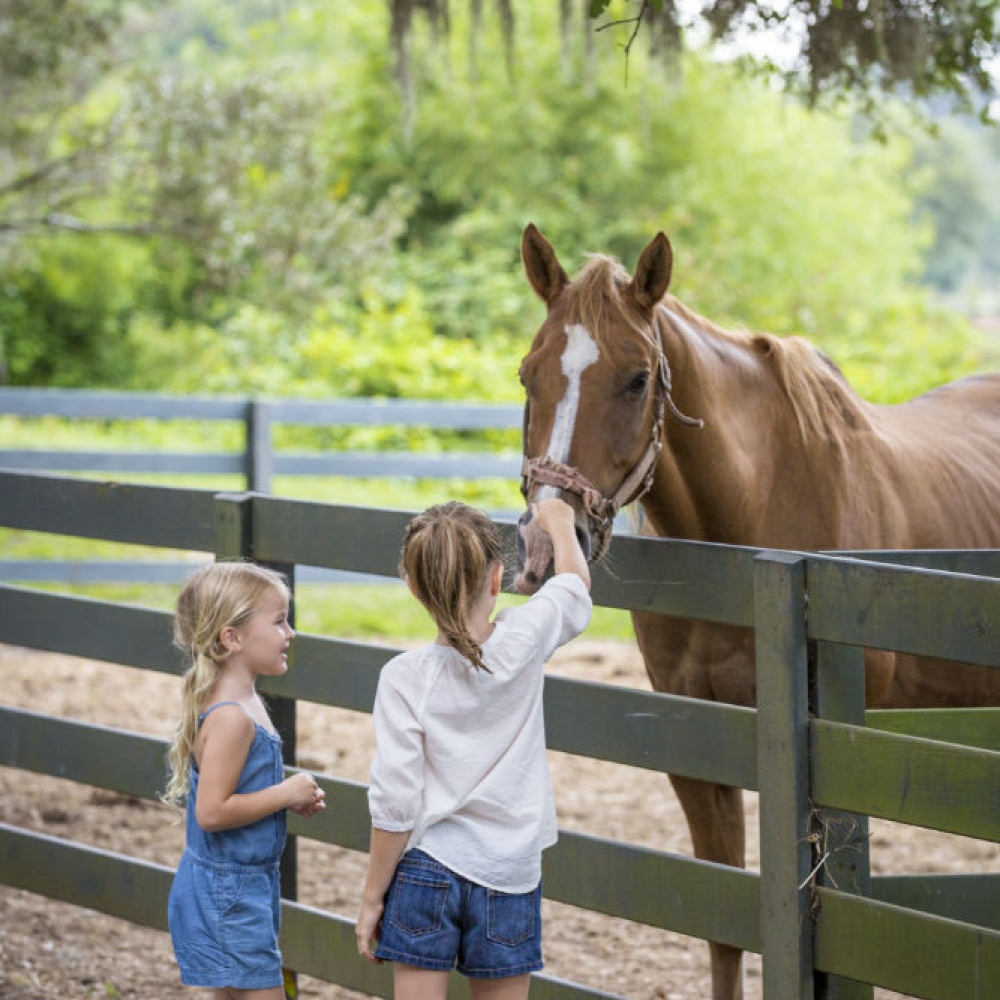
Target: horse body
788, 457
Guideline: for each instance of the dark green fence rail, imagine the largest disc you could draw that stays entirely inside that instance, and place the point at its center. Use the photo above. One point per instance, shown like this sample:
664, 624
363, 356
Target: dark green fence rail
810, 750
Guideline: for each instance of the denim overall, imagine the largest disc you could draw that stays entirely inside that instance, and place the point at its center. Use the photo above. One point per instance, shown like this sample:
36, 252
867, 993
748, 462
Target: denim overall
225, 902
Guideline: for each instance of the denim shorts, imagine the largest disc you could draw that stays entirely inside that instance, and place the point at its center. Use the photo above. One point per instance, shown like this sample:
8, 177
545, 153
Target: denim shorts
224, 922
435, 919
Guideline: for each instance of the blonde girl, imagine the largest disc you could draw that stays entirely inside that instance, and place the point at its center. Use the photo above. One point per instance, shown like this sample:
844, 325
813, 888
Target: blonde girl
226, 769
460, 795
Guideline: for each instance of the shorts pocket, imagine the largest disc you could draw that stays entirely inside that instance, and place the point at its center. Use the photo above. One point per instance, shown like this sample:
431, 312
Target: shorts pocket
511, 918
416, 903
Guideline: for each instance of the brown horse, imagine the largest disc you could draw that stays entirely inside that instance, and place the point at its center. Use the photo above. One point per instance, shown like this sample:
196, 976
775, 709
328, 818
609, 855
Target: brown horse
778, 452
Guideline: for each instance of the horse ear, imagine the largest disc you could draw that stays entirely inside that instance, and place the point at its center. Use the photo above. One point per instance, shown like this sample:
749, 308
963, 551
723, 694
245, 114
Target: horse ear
652, 273
543, 269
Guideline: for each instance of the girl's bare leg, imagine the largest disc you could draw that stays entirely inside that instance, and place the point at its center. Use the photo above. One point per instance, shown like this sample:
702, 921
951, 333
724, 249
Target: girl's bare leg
508, 988
411, 983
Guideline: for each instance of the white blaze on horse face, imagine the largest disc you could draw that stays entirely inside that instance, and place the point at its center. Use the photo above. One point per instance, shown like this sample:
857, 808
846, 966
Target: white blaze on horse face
578, 355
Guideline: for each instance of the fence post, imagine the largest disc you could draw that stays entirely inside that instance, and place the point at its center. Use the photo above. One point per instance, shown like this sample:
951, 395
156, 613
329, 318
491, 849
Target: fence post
259, 454
234, 539
783, 769
838, 690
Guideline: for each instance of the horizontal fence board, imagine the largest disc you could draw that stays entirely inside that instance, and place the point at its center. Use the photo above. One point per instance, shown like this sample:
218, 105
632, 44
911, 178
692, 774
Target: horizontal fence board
82, 626
668, 577
203, 463
408, 412
974, 727
903, 950
335, 672
390, 465
906, 779
334, 536
312, 942
358, 465
91, 405
973, 899
910, 610
977, 562
85, 876
100, 405
134, 764
660, 732
114, 759
167, 517
655, 888
155, 571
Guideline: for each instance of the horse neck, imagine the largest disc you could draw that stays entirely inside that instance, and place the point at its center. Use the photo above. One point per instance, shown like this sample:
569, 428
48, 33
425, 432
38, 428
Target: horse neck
711, 483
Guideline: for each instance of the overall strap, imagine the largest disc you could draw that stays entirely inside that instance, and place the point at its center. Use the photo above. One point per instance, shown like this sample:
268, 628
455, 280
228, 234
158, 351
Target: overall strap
212, 708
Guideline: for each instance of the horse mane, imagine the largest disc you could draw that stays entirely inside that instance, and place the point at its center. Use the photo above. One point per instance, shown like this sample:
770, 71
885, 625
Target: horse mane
823, 402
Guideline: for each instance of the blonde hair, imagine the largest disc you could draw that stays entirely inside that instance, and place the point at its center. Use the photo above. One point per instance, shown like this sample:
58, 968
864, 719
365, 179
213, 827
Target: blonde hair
217, 596
448, 550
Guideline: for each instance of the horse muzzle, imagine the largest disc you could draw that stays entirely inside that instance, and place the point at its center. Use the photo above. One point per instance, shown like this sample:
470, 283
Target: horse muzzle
534, 553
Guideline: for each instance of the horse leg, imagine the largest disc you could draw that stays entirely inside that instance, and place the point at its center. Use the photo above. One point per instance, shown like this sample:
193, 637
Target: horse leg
716, 821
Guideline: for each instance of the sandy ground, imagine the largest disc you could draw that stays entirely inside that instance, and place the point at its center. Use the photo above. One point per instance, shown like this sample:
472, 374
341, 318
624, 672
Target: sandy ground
54, 951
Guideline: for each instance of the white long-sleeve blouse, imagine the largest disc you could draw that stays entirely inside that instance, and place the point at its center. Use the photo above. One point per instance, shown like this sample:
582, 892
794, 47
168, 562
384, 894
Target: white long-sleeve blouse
460, 753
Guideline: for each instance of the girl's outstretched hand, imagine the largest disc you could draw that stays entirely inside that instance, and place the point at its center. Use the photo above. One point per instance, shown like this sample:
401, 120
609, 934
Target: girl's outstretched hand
558, 520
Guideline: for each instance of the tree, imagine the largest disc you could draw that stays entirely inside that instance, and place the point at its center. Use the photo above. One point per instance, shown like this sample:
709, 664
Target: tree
863, 48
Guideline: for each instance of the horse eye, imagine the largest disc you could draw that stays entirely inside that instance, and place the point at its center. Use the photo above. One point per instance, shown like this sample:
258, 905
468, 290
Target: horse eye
636, 388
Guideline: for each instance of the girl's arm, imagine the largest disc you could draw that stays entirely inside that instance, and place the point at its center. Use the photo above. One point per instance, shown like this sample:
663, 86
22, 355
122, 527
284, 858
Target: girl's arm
556, 518
387, 848
225, 742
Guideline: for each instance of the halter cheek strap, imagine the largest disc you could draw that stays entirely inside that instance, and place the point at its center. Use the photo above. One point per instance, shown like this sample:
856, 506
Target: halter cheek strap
601, 509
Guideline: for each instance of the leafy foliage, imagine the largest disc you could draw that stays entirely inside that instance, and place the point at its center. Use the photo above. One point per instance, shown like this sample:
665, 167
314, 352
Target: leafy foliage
262, 211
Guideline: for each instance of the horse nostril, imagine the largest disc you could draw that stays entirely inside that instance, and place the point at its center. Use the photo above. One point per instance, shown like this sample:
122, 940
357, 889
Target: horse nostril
583, 537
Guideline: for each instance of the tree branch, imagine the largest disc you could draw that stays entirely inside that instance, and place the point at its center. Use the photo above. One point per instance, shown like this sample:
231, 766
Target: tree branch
60, 220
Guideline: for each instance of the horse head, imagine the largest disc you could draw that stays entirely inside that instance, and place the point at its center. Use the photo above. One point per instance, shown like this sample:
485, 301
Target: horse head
597, 386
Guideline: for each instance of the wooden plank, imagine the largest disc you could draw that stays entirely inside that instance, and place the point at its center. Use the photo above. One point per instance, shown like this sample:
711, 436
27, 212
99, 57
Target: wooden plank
904, 950
80, 626
335, 672
681, 579
783, 775
978, 562
102, 405
678, 578
973, 727
407, 412
115, 759
336, 536
404, 465
659, 732
145, 515
195, 463
970, 898
907, 779
949, 615
313, 942
85, 876
655, 888
639, 884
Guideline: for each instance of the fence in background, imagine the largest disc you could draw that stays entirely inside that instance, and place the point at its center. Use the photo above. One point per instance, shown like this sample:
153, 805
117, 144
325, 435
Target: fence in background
258, 462
809, 749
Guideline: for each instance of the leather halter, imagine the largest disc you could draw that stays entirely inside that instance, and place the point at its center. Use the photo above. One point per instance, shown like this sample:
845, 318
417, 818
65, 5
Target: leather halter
602, 509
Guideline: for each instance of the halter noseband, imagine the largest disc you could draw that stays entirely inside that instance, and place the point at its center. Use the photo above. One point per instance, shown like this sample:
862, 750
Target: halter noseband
601, 509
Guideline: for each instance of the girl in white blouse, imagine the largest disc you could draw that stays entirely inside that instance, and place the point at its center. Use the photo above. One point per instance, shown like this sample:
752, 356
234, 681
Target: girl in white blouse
460, 794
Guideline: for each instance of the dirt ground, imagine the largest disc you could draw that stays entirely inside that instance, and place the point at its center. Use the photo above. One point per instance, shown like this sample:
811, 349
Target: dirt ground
54, 951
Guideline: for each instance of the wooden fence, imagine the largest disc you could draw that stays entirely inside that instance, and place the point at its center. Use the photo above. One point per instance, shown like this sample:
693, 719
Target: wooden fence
257, 462
810, 750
